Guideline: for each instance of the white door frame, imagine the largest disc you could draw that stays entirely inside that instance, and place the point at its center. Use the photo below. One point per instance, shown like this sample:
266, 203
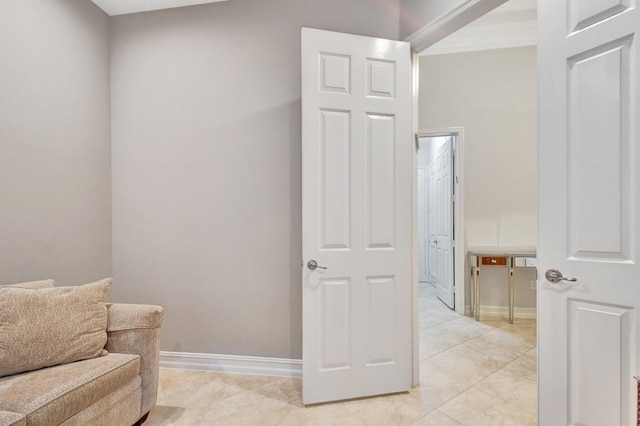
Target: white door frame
458, 219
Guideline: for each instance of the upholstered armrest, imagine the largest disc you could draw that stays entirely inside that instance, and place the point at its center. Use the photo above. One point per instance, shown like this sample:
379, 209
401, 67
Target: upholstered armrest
134, 329
9, 418
123, 316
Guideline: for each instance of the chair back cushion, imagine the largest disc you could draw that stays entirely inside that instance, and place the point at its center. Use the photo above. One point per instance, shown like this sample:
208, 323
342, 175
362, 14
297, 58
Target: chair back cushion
49, 326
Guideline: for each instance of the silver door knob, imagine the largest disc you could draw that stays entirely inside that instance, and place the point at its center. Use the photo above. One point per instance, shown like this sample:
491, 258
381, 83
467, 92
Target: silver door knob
313, 265
555, 276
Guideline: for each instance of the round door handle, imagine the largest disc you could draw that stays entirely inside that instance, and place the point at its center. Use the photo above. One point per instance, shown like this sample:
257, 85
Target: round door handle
313, 265
555, 276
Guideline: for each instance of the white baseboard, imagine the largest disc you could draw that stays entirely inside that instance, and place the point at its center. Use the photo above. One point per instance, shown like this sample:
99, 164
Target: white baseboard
503, 311
284, 367
232, 363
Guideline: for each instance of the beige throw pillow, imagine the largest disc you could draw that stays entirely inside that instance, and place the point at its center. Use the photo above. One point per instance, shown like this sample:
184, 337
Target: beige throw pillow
49, 326
32, 284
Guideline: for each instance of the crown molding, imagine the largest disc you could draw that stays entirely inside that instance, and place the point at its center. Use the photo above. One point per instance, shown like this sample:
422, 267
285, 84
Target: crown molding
487, 37
450, 21
123, 7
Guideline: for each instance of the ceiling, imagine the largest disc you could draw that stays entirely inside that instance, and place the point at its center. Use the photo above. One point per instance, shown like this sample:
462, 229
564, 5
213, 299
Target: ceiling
513, 24
510, 25
121, 7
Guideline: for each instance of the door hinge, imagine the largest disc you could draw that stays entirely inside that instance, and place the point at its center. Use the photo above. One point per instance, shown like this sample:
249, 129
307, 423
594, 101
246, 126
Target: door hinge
417, 142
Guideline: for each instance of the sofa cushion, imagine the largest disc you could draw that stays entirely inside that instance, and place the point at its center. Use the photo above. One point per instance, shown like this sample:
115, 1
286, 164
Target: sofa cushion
50, 326
8, 418
52, 395
121, 407
32, 284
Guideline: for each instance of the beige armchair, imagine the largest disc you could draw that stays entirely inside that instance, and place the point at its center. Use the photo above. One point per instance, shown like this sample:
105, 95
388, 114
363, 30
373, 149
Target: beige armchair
115, 389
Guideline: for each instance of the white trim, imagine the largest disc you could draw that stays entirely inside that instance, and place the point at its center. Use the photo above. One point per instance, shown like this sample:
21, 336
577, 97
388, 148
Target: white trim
503, 311
450, 21
263, 366
415, 76
487, 38
513, 24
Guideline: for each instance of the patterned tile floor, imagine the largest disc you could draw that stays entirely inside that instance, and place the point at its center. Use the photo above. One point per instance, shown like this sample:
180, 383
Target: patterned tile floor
471, 373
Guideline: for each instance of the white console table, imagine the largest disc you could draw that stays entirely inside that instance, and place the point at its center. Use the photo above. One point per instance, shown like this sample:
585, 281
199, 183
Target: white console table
510, 259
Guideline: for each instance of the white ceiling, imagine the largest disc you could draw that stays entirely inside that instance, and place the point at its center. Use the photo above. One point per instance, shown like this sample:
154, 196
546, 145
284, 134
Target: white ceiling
513, 24
510, 25
121, 7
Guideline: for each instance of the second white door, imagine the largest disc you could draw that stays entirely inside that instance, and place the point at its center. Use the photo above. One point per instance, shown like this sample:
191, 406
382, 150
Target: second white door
441, 222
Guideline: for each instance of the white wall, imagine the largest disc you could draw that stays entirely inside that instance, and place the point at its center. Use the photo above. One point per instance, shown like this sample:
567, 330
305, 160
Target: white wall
55, 178
492, 94
415, 14
206, 166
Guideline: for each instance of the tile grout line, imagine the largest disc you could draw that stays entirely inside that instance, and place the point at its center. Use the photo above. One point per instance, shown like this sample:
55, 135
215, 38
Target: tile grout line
506, 328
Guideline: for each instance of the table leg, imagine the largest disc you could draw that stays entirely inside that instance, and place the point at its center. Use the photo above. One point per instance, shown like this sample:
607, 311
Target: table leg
472, 295
477, 295
511, 290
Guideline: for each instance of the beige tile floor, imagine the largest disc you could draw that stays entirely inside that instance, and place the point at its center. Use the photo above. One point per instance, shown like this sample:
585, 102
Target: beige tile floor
471, 373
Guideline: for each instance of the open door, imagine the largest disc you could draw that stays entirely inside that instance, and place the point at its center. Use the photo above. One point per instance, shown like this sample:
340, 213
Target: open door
442, 238
589, 277
356, 216
423, 233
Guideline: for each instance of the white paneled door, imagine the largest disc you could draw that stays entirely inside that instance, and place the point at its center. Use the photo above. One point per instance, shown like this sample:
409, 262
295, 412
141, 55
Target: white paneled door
588, 321
423, 233
442, 235
357, 219
432, 220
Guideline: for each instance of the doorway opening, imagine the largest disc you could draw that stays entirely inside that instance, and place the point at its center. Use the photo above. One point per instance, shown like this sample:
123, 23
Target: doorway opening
437, 217
479, 85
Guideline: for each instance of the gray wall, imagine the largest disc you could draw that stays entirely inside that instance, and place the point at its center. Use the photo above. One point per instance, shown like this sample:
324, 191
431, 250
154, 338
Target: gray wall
415, 14
492, 94
206, 166
55, 179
